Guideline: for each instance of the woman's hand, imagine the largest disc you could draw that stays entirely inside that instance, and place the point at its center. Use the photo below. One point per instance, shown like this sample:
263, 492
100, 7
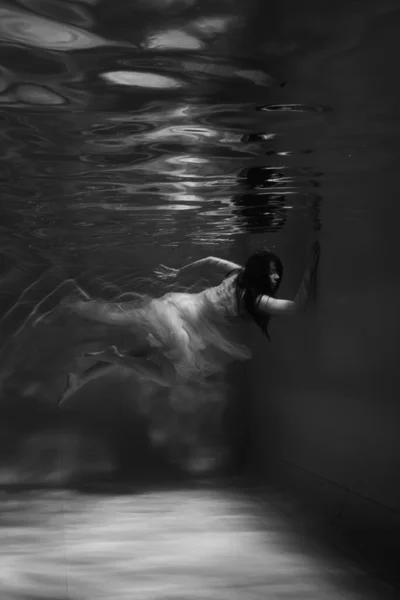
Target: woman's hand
166, 273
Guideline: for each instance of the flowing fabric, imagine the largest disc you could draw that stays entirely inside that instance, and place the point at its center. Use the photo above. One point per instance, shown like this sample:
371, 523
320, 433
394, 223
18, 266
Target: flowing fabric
198, 333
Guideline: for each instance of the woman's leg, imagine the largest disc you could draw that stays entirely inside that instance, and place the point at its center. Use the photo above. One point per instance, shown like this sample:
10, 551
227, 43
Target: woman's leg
161, 370
163, 373
75, 382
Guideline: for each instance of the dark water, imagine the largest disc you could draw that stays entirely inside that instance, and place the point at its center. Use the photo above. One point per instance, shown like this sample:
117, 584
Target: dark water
134, 133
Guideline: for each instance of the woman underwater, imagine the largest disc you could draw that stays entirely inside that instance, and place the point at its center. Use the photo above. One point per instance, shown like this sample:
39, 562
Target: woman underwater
183, 337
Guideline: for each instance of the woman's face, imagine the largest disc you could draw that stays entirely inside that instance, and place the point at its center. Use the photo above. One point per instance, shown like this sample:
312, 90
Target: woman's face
274, 276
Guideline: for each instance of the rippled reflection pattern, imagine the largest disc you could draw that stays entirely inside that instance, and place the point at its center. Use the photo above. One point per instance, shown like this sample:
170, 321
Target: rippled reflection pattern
24, 28
174, 39
292, 108
133, 78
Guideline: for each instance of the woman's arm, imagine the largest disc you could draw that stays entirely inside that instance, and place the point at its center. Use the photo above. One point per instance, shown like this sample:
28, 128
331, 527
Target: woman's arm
274, 307
199, 267
221, 265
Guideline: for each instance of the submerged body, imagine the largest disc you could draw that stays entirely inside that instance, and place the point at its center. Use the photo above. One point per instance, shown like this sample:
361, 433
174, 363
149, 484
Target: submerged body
182, 337
197, 332
170, 341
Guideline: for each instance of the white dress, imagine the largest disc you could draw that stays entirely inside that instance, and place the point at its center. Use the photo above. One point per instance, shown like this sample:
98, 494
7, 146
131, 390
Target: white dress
198, 332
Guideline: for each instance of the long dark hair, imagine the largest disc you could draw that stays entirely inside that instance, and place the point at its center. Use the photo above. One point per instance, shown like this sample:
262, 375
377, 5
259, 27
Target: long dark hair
254, 280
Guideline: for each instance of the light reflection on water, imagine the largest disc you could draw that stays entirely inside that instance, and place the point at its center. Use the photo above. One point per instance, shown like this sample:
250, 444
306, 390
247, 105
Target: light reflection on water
103, 126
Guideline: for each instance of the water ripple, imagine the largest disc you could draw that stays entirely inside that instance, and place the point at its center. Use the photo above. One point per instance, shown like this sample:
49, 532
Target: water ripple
163, 140
24, 28
141, 79
294, 108
60, 11
34, 94
173, 39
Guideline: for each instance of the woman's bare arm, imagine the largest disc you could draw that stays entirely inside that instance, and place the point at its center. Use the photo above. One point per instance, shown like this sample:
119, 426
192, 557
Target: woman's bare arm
199, 268
220, 264
275, 307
